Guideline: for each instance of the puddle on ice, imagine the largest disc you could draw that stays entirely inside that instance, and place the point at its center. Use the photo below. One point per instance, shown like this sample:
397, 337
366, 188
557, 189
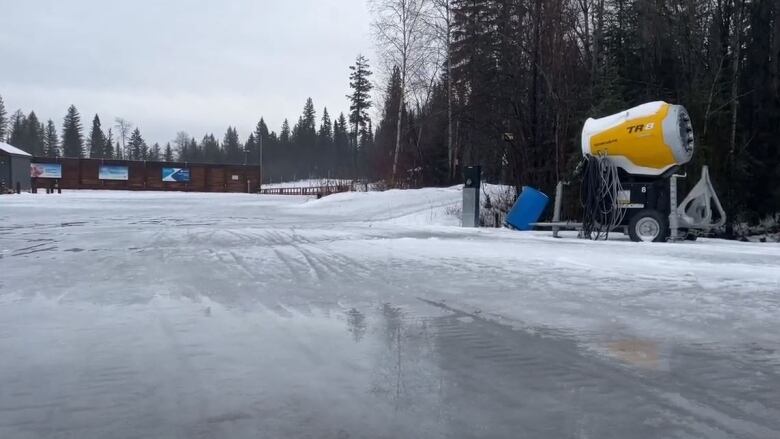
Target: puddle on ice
173, 367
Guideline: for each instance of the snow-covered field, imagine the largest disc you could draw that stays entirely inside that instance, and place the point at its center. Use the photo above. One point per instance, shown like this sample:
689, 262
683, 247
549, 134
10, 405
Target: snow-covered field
146, 314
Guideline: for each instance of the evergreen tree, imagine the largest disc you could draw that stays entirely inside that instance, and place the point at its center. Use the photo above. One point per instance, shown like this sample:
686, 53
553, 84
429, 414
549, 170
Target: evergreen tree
284, 134
18, 124
51, 140
232, 147
137, 146
97, 140
304, 141
325, 152
212, 153
168, 155
359, 102
3, 120
341, 147
261, 132
367, 137
262, 138
27, 133
250, 150
108, 150
283, 154
33, 135
309, 117
118, 151
72, 138
475, 63
326, 127
154, 153
196, 153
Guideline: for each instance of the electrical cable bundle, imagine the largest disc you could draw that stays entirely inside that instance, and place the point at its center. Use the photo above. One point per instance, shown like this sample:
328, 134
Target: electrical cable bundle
600, 191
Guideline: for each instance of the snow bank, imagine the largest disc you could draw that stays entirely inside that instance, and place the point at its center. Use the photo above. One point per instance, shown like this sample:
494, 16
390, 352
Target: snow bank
400, 206
405, 207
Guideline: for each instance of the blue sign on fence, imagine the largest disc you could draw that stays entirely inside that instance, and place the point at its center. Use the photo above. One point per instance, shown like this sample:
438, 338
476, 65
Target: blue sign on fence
175, 174
113, 172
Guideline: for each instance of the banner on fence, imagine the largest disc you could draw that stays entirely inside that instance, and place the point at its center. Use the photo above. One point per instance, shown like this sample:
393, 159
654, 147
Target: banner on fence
175, 174
113, 172
45, 170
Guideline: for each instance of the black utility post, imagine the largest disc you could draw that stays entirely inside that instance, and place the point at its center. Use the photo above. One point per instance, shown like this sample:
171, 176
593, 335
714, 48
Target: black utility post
260, 183
472, 176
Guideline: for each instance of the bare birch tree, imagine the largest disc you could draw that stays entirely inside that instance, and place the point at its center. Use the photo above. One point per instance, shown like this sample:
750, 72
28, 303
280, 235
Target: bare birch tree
123, 127
181, 141
403, 40
441, 23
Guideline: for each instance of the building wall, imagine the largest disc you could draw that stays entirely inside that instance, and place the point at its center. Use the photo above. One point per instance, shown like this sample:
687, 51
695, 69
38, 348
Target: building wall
5, 171
84, 174
15, 169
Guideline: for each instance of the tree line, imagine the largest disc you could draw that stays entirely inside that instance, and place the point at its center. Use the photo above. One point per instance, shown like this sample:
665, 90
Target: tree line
508, 84
315, 146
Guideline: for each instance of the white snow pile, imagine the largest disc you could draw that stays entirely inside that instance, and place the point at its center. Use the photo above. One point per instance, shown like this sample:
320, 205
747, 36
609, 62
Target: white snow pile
429, 206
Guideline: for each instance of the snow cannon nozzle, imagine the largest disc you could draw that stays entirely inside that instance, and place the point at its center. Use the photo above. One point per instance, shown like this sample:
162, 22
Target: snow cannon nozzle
645, 140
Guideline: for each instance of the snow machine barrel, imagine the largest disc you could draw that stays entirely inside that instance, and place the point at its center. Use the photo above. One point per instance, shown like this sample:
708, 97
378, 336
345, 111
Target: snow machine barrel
644, 140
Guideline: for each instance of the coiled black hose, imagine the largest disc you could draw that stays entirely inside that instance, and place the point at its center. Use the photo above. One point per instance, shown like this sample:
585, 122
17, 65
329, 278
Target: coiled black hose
599, 195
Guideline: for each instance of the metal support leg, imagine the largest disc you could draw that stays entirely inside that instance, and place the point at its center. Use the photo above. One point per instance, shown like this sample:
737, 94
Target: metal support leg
557, 208
674, 223
696, 210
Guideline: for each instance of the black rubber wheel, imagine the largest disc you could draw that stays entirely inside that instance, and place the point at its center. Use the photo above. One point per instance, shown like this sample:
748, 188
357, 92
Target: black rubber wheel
648, 225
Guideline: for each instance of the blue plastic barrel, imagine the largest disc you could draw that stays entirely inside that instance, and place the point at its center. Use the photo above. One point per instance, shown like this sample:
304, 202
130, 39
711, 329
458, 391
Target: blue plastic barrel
527, 209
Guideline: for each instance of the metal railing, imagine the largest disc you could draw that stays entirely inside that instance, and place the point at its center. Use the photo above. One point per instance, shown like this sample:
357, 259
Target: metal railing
318, 191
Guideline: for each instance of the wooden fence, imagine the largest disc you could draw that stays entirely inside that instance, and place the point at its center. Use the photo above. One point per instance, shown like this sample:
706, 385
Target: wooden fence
142, 175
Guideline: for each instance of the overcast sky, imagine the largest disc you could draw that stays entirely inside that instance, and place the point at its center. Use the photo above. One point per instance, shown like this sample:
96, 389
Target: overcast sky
173, 65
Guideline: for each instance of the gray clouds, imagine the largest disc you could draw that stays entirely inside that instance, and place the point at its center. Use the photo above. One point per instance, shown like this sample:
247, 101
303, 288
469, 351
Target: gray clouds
197, 66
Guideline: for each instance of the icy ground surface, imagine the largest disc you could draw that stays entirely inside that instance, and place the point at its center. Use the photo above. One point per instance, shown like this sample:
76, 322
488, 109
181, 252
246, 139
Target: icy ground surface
370, 315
